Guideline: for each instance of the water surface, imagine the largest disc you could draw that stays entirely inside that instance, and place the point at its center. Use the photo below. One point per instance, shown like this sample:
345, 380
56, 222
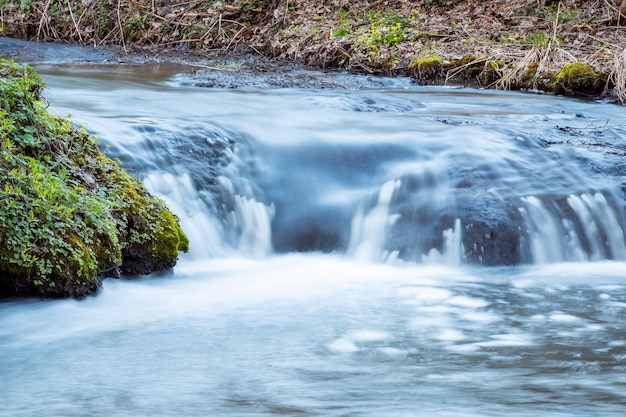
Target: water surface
330, 272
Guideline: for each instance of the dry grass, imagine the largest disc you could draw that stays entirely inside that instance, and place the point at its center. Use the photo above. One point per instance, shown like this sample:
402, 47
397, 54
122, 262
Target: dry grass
497, 34
617, 77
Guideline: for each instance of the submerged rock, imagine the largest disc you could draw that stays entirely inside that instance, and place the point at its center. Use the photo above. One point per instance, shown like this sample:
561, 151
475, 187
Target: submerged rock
69, 215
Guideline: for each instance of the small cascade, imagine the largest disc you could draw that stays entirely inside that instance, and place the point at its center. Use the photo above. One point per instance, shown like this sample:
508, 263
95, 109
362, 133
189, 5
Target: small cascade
370, 233
203, 229
249, 220
583, 227
604, 222
452, 252
369, 230
253, 221
379, 186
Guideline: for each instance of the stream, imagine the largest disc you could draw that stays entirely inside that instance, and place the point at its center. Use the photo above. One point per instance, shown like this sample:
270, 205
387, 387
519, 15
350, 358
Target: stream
374, 249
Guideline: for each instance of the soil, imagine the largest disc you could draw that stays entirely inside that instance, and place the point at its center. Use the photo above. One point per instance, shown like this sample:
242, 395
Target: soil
494, 44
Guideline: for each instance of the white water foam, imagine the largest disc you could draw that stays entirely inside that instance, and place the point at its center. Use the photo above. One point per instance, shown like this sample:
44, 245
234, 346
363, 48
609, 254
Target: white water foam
250, 218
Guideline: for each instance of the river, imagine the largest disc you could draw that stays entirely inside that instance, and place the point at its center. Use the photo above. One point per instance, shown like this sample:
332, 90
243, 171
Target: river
387, 250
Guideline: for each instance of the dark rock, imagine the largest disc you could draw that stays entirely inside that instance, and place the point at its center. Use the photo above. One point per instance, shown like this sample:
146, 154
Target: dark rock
138, 260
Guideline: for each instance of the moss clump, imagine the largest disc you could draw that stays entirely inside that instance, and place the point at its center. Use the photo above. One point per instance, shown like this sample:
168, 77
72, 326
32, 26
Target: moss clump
574, 71
67, 212
427, 66
580, 79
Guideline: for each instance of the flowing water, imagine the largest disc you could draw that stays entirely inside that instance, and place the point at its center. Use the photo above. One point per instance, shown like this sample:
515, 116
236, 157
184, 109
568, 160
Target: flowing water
391, 250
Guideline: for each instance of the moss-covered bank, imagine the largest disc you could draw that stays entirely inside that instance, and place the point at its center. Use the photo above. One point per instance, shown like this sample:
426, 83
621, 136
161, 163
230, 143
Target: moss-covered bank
69, 215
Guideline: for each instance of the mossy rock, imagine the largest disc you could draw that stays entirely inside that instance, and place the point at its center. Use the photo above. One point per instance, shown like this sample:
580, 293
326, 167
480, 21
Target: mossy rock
580, 79
427, 67
69, 215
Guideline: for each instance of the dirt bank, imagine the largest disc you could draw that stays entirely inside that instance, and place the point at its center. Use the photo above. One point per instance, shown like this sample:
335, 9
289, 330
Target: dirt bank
572, 47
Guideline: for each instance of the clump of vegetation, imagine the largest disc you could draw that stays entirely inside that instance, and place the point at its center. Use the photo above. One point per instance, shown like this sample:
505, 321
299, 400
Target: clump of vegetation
427, 66
379, 33
68, 214
579, 78
383, 28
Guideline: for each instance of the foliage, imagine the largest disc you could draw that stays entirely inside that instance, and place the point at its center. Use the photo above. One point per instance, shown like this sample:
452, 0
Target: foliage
67, 212
346, 25
539, 40
384, 28
251, 10
134, 27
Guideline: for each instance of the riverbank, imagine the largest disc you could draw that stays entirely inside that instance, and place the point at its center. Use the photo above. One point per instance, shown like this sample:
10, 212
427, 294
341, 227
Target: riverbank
569, 47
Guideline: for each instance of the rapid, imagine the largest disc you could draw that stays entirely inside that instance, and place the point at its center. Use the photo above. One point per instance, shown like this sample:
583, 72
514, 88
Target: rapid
380, 250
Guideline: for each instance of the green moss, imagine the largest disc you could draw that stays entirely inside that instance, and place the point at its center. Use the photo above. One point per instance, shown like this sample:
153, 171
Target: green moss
578, 78
427, 62
67, 212
170, 237
574, 71
427, 66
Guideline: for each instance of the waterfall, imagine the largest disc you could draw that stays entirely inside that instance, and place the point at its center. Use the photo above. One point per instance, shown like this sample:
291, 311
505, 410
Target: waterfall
578, 228
452, 251
202, 228
253, 221
249, 219
370, 233
369, 230
583, 227
251, 173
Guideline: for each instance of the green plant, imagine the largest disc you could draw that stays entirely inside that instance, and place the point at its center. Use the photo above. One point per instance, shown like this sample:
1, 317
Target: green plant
67, 211
25, 5
539, 40
230, 66
250, 10
133, 28
104, 16
384, 28
346, 25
